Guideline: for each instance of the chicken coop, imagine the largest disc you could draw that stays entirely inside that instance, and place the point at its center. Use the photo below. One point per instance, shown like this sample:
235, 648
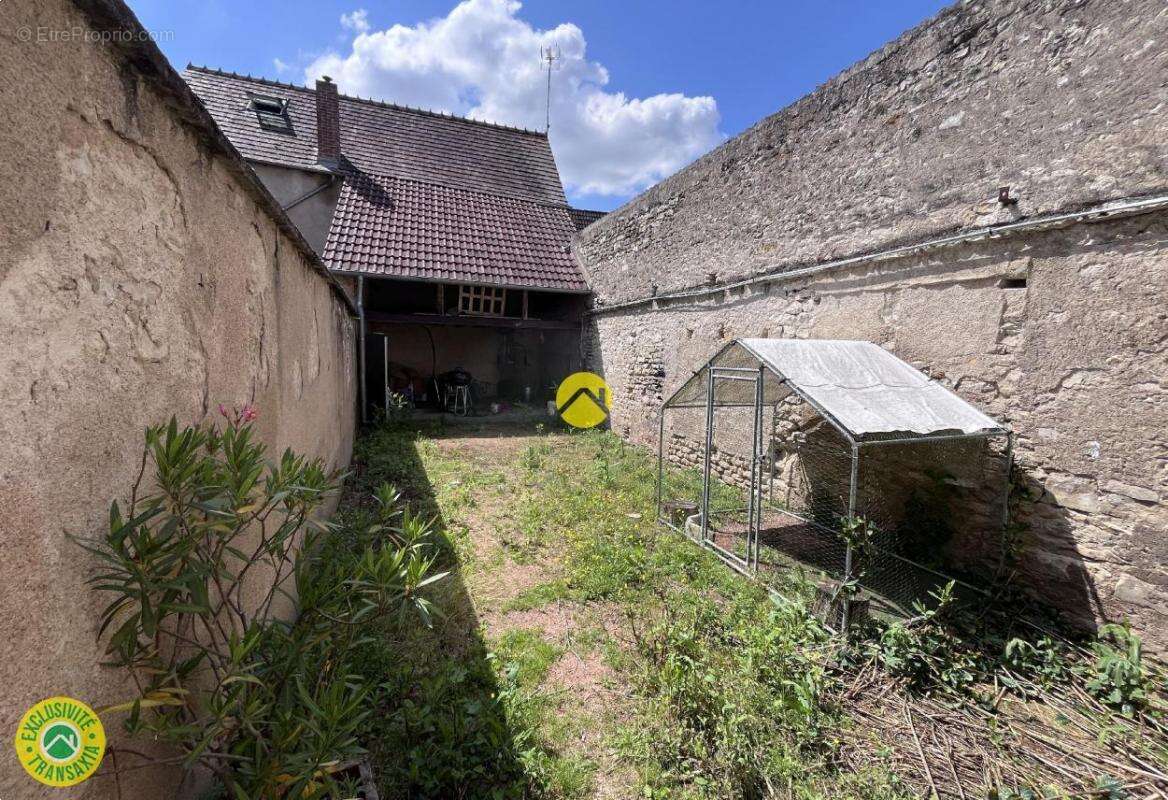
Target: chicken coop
839, 464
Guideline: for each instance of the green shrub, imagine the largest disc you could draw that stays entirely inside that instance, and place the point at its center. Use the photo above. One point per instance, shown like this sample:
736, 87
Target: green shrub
925, 650
735, 697
199, 566
1041, 661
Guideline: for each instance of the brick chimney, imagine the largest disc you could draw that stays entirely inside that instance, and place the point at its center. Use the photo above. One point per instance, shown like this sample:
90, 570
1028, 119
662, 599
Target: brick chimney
328, 122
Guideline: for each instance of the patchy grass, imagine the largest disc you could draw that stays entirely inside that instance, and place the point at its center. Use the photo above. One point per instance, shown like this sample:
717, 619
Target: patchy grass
541, 594
584, 652
581, 652
727, 687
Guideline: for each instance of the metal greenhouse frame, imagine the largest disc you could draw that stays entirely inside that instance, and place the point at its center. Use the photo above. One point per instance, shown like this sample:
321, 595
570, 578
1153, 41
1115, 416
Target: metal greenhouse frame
855, 426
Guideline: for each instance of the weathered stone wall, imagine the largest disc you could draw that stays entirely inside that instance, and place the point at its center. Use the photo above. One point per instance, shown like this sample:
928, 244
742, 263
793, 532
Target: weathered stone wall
143, 274
1060, 331
1074, 361
1063, 100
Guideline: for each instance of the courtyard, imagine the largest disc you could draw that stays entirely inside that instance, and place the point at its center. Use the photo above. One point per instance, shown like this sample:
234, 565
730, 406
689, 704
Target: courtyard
287, 509
580, 650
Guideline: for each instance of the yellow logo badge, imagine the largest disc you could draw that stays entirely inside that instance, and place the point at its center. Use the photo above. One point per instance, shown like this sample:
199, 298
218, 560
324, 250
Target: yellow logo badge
584, 400
60, 741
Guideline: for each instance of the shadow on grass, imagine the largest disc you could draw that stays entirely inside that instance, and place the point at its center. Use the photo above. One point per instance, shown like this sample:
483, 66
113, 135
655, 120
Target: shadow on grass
440, 726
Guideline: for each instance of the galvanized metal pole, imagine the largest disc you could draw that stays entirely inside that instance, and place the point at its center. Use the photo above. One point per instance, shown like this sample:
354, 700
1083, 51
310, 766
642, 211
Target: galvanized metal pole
771, 456
847, 610
660, 458
756, 478
709, 446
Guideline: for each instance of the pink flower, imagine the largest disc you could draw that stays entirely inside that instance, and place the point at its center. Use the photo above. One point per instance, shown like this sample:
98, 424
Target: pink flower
237, 416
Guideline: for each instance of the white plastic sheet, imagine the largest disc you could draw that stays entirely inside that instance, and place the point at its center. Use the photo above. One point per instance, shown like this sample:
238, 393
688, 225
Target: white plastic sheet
866, 389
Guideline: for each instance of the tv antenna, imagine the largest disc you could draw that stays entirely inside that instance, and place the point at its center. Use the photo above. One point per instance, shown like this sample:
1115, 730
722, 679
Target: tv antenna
549, 55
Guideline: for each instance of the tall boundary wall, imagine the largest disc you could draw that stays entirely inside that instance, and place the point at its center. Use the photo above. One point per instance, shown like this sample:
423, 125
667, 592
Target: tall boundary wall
145, 272
869, 210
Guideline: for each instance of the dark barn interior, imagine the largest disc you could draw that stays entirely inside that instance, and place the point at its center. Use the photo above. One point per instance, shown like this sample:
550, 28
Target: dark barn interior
510, 345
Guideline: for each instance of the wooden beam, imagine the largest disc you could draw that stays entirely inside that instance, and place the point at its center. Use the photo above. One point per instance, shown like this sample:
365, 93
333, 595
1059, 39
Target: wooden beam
506, 323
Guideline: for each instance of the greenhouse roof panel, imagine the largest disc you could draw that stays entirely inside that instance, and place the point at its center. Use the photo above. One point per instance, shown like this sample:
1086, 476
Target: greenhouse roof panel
867, 390
861, 387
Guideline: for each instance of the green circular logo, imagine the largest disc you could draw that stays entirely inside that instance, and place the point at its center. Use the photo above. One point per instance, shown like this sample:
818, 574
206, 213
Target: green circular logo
60, 741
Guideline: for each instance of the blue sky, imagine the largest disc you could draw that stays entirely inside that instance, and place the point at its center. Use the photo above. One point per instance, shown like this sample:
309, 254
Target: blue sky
643, 87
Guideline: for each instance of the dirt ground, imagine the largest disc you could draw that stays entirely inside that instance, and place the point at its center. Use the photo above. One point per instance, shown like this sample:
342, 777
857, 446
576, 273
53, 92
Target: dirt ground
588, 696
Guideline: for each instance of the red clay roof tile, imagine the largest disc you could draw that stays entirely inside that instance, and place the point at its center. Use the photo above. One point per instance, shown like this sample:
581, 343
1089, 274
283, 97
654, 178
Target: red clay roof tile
384, 139
397, 227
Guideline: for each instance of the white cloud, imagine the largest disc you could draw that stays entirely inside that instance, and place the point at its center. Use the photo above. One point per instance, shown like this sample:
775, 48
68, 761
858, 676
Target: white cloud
281, 66
356, 20
483, 61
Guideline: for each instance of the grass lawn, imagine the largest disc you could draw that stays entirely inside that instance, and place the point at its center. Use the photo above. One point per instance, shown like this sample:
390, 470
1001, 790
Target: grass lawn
582, 651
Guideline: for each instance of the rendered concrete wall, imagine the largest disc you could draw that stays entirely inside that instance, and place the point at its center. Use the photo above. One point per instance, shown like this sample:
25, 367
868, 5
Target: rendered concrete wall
313, 215
140, 277
1061, 333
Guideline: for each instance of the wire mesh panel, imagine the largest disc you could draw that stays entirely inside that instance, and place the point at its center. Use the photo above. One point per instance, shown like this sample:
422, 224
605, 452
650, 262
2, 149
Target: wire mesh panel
733, 445
680, 486
683, 449
808, 492
923, 508
937, 507
930, 507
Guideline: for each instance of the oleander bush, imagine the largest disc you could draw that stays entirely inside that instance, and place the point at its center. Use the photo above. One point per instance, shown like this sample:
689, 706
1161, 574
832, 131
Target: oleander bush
240, 634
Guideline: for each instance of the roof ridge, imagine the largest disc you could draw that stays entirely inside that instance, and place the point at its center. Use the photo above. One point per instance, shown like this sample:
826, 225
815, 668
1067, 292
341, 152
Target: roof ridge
366, 100
365, 173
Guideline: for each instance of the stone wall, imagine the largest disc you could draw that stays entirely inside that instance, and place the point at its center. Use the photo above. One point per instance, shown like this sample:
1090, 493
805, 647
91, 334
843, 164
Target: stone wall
1062, 100
145, 273
1074, 361
1059, 330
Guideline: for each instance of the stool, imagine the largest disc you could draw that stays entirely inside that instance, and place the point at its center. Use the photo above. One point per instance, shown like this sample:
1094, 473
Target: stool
458, 400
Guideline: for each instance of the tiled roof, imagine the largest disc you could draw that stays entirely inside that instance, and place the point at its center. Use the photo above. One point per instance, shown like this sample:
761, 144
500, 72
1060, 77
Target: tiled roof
582, 217
404, 228
385, 139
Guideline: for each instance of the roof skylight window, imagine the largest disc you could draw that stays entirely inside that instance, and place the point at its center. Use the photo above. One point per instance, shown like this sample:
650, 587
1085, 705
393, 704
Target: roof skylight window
272, 113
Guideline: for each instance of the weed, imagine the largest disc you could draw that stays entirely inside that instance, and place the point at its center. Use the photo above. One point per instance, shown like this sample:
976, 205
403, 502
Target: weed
925, 651
537, 596
1042, 661
528, 653
730, 686
533, 457
1117, 676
